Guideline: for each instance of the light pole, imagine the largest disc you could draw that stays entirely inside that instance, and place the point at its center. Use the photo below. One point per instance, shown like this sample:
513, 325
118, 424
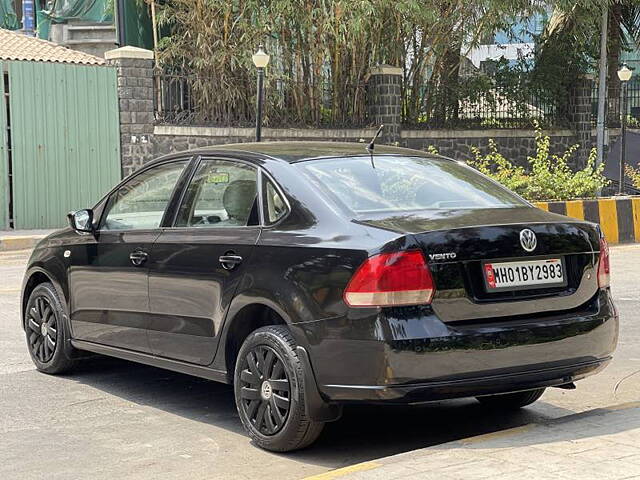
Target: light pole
624, 74
260, 60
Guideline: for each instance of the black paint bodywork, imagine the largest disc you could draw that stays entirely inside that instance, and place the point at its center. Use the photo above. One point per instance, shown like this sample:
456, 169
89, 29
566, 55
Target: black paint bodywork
178, 310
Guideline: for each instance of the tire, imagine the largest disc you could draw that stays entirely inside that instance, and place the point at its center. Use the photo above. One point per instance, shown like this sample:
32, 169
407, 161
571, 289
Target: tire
49, 347
512, 401
269, 392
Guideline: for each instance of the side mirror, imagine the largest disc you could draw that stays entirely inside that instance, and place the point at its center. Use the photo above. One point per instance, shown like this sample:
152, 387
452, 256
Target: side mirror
81, 221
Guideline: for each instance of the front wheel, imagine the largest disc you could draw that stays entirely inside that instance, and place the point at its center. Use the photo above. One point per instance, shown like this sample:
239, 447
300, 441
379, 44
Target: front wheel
45, 330
269, 391
512, 401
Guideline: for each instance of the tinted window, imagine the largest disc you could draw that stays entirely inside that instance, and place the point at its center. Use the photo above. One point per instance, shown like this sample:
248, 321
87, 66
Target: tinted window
392, 183
275, 206
141, 202
221, 194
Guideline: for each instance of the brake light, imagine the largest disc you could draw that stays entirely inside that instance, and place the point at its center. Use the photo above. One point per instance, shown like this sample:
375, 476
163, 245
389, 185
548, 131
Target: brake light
391, 279
603, 264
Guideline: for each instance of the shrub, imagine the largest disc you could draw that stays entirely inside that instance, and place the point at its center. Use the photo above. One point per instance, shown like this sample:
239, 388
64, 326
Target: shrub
633, 174
548, 176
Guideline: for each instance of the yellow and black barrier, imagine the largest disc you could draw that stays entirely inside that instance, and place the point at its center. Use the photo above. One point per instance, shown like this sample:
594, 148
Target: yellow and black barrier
619, 217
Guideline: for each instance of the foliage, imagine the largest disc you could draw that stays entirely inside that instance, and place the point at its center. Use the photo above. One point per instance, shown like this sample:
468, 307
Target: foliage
322, 50
569, 46
549, 176
633, 174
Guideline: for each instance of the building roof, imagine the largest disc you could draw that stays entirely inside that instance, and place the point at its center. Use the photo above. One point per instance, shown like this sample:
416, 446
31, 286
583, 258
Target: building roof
15, 46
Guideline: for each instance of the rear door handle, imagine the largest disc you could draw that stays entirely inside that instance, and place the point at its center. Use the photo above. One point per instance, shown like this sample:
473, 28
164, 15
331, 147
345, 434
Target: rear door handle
138, 257
229, 262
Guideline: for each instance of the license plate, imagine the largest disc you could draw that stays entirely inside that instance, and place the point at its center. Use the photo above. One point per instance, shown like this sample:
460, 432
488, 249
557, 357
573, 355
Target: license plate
525, 274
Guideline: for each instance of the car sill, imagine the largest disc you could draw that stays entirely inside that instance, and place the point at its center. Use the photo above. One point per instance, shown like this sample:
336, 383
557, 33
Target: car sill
174, 365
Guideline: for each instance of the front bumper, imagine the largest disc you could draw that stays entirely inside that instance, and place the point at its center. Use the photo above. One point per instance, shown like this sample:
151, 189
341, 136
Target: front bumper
407, 355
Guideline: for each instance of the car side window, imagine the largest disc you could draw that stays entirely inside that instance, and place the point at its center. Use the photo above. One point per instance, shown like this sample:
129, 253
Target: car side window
141, 202
221, 194
274, 204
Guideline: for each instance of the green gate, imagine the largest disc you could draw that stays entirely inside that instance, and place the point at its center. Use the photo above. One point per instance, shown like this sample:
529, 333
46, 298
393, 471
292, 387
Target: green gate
65, 139
4, 155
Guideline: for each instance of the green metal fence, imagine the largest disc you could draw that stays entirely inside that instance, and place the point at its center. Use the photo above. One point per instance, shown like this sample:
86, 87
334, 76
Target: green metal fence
4, 154
65, 139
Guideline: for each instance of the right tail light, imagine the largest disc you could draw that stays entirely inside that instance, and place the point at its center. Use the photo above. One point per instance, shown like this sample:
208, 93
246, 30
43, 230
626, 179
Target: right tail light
604, 277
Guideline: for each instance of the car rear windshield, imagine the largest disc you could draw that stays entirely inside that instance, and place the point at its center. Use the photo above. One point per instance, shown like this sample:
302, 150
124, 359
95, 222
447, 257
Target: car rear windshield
386, 183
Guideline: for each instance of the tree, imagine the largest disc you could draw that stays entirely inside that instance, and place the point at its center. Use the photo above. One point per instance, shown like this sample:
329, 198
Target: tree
323, 49
572, 28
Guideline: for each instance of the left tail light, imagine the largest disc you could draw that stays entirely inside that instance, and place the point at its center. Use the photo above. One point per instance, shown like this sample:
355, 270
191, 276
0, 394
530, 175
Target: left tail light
604, 271
391, 279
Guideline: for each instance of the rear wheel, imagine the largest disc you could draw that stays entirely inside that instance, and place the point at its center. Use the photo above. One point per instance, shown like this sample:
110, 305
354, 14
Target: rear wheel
45, 329
269, 392
512, 401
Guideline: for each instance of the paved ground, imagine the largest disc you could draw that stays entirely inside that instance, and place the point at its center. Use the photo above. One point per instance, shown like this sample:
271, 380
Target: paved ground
11, 240
114, 419
602, 444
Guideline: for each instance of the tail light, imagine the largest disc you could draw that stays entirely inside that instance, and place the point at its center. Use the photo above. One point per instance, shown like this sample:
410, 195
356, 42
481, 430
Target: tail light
391, 279
603, 264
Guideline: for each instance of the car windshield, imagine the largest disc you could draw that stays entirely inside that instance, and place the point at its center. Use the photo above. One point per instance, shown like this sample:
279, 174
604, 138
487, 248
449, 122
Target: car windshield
387, 183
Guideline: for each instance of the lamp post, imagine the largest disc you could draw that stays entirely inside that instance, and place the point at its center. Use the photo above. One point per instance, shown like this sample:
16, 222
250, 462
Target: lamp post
624, 74
260, 60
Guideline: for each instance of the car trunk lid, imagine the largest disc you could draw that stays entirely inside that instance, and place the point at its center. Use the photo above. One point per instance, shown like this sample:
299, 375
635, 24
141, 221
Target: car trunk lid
457, 244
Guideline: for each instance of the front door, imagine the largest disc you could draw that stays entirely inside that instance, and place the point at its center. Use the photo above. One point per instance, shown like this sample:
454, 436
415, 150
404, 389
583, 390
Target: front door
197, 265
108, 277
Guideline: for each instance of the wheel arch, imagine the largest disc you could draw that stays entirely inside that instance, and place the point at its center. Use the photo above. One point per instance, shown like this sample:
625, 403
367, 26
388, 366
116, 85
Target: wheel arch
243, 318
34, 277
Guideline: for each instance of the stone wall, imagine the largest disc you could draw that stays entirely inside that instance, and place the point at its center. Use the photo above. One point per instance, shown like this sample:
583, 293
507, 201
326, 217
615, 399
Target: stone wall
516, 145
169, 139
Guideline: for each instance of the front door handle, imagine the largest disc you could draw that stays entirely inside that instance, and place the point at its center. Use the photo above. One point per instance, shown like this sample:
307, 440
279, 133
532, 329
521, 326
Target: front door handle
229, 262
138, 257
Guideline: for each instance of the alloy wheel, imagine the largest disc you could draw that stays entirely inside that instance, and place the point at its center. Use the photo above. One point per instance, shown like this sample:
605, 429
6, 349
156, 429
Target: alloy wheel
42, 329
265, 390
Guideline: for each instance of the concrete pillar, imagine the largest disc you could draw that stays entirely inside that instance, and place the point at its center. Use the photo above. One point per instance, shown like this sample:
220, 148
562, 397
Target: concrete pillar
385, 101
580, 118
135, 94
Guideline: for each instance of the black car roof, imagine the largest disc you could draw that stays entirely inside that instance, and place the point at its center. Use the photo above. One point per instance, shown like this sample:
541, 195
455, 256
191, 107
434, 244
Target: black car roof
297, 151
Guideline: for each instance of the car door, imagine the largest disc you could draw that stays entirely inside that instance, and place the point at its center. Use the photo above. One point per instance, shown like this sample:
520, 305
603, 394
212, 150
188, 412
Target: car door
108, 277
197, 265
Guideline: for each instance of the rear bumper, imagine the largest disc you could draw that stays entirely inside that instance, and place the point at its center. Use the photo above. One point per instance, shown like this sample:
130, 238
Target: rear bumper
468, 387
409, 356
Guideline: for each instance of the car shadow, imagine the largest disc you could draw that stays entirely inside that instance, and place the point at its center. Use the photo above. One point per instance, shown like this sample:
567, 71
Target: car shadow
363, 433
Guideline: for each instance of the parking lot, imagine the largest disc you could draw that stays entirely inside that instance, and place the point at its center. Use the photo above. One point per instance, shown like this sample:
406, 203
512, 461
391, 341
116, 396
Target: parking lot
114, 419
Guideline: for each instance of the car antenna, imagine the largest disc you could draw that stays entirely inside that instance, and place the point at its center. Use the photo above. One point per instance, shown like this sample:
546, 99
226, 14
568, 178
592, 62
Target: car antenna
372, 144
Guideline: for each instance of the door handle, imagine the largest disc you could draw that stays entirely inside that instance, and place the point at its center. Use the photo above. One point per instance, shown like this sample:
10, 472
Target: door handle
138, 257
229, 262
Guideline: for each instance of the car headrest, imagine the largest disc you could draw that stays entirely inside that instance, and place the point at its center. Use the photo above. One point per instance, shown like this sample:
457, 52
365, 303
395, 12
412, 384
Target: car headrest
238, 198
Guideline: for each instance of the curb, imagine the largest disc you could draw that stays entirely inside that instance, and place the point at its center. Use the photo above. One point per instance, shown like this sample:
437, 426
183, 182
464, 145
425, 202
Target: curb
19, 243
619, 217
510, 432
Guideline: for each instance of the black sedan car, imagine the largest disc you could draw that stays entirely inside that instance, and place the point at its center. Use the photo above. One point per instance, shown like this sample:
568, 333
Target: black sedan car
314, 275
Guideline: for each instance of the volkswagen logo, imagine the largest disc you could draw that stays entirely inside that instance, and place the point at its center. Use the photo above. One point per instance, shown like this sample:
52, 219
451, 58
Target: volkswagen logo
528, 240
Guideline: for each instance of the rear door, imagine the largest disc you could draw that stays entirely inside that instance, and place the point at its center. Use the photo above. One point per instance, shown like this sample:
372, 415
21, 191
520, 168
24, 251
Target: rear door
197, 265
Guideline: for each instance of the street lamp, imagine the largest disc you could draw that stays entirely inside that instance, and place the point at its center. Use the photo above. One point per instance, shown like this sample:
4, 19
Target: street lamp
624, 74
260, 60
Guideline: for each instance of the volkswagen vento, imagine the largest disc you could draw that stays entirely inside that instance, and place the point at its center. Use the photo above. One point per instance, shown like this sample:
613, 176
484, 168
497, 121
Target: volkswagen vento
315, 275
